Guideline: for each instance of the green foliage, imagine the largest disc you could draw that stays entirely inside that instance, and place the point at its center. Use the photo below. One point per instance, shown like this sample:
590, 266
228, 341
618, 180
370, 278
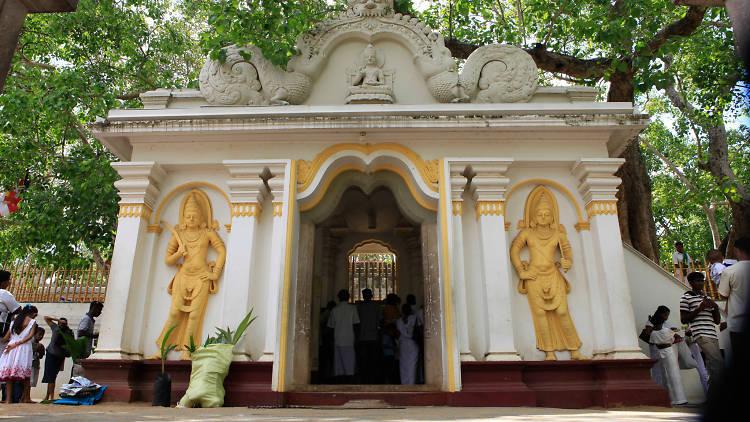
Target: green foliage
70, 68
192, 346
165, 349
76, 347
227, 336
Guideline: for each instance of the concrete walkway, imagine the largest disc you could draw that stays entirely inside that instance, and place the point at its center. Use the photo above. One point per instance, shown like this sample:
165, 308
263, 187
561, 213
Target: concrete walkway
143, 412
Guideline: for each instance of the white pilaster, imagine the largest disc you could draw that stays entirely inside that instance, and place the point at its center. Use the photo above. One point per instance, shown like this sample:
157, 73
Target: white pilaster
277, 183
611, 308
458, 276
127, 286
246, 192
489, 185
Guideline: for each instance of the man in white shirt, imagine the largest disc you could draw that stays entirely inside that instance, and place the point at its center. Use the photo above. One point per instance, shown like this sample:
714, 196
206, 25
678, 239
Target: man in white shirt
8, 306
734, 286
681, 261
343, 319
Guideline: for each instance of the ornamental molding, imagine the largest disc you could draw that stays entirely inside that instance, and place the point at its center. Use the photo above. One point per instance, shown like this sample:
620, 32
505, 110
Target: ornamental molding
135, 211
307, 170
278, 208
493, 73
458, 207
486, 208
246, 209
601, 208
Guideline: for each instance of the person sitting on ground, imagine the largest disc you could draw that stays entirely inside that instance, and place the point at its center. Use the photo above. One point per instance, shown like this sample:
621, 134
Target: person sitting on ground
663, 338
15, 362
56, 353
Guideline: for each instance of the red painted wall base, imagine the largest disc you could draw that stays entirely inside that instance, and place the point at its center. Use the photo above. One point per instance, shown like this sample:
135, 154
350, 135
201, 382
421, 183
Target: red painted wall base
563, 384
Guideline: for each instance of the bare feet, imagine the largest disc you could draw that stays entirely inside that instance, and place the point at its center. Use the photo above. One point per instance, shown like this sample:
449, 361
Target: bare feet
576, 355
550, 356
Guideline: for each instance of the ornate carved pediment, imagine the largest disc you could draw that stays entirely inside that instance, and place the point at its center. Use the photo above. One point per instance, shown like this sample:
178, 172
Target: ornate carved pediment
496, 73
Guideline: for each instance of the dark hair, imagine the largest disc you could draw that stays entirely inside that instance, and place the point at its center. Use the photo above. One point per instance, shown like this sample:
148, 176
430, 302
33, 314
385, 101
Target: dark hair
96, 304
679, 242
411, 299
657, 319
343, 295
713, 254
367, 294
330, 305
406, 309
661, 310
695, 276
4, 276
38, 329
743, 244
21, 317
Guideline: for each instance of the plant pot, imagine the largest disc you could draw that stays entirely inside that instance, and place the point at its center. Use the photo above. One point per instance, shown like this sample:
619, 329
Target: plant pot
210, 367
162, 390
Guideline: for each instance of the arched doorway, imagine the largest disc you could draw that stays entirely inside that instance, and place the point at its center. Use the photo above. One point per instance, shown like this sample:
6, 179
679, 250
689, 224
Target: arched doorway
367, 231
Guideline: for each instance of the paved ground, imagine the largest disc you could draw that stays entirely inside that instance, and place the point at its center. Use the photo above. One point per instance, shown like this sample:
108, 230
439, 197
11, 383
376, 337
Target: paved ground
145, 413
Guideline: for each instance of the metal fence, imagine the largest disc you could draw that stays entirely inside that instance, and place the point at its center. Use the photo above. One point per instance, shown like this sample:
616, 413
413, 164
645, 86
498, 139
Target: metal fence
36, 284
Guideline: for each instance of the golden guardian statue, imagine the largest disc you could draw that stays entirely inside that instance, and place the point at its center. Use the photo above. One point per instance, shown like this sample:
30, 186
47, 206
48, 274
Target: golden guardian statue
541, 281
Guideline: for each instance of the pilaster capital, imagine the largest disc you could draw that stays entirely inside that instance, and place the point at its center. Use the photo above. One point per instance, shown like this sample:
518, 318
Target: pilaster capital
596, 179
140, 182
274, 177
488, 178
246, 185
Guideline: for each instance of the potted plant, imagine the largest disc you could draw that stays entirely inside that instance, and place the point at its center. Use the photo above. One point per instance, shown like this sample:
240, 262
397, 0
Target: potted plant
211, 365
163, 381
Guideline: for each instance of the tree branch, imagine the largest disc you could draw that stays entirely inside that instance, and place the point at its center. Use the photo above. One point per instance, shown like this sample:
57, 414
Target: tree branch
680, 28
704, 3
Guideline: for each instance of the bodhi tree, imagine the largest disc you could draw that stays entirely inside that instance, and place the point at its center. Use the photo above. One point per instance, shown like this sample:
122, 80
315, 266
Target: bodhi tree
68, 69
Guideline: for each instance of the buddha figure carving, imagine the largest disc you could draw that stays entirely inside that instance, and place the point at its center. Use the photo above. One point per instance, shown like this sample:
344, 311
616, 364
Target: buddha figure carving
369, 83
196, 279
541, 281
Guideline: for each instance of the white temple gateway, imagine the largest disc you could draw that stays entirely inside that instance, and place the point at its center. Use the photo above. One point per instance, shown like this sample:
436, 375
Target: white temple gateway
372, 162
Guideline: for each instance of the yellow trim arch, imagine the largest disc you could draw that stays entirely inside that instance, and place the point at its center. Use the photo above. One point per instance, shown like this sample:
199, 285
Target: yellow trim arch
357, 167
581, 221
307, 170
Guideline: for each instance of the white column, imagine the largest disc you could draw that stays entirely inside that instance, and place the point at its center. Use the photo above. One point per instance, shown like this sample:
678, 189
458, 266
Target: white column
246, 192
458, 276
489, 185
611, 306
126, 290
277, 183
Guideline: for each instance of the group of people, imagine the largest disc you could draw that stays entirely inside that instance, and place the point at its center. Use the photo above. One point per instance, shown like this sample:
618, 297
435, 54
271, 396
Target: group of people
702, 317
371, 342
21, 348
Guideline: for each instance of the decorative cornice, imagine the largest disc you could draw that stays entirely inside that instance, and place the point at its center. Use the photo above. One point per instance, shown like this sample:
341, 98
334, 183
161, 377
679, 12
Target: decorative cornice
228, 227
306, 170
601, 207
246, 209
135, 210
458, 207
483, 208
507, 226
278, 208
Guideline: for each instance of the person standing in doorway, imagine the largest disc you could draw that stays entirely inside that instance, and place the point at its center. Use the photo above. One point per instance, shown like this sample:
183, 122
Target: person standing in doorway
86, 326
681, 261
343, 319
368, 346
407, 347
702, 314
734, 286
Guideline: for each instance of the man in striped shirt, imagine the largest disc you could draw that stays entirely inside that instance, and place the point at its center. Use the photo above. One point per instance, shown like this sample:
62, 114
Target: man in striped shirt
702, 314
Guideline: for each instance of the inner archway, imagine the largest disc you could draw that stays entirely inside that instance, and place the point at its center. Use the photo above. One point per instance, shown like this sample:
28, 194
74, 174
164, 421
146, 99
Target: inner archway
366, 231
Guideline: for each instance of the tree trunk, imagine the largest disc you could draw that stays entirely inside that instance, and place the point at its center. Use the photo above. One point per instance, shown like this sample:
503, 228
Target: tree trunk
635, 214
735, 191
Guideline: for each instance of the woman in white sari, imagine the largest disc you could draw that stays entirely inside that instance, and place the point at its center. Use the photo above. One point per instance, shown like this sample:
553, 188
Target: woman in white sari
408, 349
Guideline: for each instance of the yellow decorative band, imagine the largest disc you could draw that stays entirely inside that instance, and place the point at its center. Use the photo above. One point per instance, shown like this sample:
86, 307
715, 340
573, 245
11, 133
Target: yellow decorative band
135, 210
229, 227
489, 208
458, 207
277, 209
246, 209
601, 207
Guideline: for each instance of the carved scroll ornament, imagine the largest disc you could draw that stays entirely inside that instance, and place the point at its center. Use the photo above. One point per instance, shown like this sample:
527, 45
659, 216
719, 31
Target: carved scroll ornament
499, 74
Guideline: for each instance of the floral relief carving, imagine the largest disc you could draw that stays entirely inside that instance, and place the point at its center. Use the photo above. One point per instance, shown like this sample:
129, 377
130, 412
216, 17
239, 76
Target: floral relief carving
499, 74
